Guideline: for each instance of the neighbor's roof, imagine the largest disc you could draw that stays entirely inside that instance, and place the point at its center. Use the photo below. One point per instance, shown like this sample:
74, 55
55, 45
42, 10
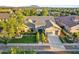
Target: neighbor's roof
4, 15
68, 20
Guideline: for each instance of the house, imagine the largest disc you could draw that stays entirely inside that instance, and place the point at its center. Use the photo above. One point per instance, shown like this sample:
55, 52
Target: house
42, 23
38, 11
37, 22
30, 24
53, 28
4, 14
74, 29
69, 23
54, 13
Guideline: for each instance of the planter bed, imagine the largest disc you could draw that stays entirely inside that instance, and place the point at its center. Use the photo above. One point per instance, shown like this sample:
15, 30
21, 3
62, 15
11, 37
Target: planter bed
65, 40
29, 33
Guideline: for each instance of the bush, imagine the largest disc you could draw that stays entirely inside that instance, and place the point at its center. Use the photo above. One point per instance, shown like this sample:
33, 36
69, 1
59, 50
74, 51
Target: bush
43, 37
37, 36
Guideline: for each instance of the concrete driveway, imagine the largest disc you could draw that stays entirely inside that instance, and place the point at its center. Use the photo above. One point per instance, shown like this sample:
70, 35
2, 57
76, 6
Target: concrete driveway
55, 43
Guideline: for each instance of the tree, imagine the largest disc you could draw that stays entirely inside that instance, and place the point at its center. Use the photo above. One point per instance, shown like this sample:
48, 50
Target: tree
75, 35
44, 12
15, 50
20, 17
33, 12
37, 36
11, 28
43, 37
26, 12
2, 26
8, 30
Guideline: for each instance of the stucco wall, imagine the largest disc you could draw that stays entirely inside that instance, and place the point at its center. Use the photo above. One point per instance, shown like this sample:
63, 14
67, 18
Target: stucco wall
74, 29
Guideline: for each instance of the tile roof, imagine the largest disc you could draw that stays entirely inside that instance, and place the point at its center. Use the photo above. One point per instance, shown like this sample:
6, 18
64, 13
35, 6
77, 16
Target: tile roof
68, 20
4, 15
40, 20
39, 17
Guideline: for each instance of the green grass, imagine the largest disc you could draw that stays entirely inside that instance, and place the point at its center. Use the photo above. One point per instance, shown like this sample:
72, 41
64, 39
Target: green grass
24, 39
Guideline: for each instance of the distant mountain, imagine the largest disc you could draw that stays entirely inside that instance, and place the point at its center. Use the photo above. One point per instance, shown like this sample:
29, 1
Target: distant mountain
34, 6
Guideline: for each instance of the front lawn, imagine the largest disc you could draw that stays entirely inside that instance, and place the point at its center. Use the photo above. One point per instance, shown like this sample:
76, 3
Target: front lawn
24, 39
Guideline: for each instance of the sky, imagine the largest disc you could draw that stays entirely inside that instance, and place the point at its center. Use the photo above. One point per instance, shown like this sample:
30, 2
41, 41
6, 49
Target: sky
42, 3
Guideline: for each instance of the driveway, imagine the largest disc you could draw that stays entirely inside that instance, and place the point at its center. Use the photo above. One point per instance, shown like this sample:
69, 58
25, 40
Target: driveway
55, 42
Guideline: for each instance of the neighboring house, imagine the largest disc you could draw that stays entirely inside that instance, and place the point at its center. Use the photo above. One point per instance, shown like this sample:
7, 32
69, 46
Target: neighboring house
4, 14
42, 23
38, 11
69, 23
54, 13
3, 17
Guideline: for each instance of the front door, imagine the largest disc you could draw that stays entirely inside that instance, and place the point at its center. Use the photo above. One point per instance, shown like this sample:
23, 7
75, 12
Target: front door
56, 32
